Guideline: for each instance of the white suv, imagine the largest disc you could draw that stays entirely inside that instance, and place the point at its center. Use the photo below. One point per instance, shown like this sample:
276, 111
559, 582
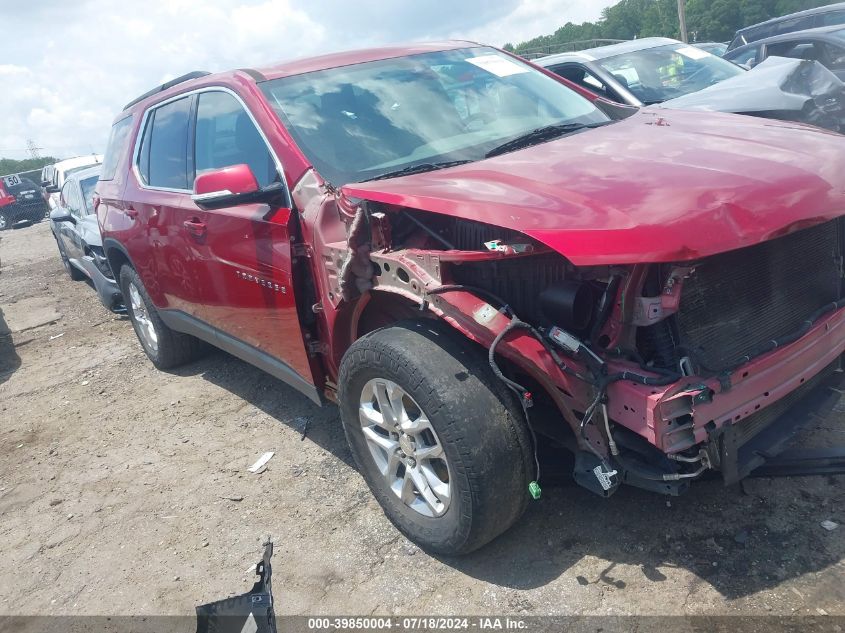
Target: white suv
53, 176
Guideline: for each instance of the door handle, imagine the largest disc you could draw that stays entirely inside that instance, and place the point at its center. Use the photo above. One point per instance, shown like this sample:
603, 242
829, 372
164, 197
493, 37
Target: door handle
195, 227
131, 212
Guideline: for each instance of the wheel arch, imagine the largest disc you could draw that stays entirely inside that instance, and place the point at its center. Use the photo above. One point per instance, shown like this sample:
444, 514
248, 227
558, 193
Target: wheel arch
117, 255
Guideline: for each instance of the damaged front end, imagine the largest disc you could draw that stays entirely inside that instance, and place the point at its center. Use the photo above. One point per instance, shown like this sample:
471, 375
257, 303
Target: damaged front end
651, 374
777, 88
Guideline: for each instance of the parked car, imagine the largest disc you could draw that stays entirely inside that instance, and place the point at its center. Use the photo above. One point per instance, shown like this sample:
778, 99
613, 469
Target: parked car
641, 72
825, 45
645, 73
26, 204
778, 88
53, 176
5, 197
714, 48
473, 260
74, 225
29, 199
829, 15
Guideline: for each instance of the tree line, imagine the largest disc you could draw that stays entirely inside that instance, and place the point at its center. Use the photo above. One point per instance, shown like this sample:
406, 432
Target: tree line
707, 20
12, 166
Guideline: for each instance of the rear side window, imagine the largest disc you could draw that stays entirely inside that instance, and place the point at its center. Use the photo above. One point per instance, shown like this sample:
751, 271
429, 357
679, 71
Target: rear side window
746, 58
226, 135
116, 147
165, 146
831, 18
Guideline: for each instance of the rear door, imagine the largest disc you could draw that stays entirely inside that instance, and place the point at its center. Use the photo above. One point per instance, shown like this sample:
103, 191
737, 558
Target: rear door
241, 258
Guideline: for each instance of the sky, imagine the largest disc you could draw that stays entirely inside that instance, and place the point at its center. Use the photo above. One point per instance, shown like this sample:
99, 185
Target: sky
67, 68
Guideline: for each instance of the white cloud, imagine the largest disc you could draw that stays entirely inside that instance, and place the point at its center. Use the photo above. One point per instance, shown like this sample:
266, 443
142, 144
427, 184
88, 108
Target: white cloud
70, 67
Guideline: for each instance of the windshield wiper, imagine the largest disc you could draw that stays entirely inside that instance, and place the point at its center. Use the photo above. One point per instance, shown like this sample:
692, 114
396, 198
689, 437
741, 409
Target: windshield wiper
419, 169
541, 134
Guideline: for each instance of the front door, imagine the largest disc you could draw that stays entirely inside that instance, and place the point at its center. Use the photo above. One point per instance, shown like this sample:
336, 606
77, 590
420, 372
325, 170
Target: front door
71, 201
241, 256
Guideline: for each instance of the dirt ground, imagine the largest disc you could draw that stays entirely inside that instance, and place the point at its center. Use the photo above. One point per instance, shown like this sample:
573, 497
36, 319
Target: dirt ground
120, 480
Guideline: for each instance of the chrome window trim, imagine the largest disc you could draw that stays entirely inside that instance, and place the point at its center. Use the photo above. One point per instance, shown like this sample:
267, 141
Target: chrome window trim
136, 152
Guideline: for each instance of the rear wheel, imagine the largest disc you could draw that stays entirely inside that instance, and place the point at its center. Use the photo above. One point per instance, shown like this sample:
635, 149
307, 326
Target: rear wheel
166, 348
441, 445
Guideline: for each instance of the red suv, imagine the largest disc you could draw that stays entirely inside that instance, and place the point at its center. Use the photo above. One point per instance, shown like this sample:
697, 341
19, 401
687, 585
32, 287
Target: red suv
476, 262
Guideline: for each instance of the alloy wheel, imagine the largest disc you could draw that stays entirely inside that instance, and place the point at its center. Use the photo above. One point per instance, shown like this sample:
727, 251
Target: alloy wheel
141, 314
405, 448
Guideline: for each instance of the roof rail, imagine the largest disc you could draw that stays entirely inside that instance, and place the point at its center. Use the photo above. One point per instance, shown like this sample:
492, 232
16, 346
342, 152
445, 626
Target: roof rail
169, 84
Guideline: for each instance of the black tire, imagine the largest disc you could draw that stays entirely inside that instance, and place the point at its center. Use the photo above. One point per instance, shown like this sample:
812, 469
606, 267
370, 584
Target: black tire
171, 348
5, 221
477, 422
73, 272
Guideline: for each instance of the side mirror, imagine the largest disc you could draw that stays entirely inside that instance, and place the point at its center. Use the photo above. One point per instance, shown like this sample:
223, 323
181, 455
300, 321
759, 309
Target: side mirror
52, 188
232, 186
45, 183
60, 214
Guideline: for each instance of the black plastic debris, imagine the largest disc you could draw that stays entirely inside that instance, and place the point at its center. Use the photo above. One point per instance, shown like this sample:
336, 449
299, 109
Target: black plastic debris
251, 612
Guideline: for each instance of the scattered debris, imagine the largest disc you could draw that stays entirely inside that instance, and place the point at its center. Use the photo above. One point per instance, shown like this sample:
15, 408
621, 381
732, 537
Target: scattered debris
302, 424
55, 502
250, 612
829, 525
258, 466
821, 611
234, 497
53, 338
85, 382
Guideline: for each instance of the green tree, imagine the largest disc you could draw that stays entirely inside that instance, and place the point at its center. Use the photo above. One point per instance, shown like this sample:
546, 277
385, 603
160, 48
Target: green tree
12, 166
706, 19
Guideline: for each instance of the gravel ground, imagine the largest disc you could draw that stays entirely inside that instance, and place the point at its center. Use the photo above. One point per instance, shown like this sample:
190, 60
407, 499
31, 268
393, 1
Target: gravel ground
120, 480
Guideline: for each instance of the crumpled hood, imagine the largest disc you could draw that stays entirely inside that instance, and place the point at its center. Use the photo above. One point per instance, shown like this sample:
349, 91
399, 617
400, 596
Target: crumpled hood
776, 84
659, 186
88, 228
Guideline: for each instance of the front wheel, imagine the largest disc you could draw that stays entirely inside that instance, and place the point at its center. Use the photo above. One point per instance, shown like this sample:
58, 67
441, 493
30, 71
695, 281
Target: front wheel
439, 442
166, 348
5, 221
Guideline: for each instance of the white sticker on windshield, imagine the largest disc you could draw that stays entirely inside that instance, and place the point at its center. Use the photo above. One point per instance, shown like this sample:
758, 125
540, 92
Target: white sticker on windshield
499, 66
692, 52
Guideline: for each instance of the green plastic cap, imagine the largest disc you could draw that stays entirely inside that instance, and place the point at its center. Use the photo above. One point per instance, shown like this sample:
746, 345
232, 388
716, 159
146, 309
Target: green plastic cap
534, 490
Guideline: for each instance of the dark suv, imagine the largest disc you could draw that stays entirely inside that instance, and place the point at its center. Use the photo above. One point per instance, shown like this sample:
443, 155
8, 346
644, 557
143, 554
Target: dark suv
828, 15
28, 205
476, 261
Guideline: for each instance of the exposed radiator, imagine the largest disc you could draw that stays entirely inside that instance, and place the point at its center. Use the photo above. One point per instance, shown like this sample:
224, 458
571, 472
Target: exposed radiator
517, 281
735, 301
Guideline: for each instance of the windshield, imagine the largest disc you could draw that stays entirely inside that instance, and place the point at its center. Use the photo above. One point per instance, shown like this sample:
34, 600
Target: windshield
88, 185
358, 122
656, 74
